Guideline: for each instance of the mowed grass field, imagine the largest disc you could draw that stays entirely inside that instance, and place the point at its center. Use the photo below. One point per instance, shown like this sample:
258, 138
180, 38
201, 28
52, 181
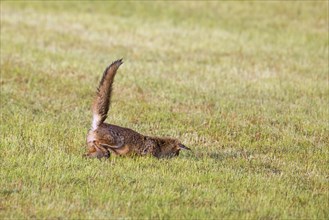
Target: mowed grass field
244, 84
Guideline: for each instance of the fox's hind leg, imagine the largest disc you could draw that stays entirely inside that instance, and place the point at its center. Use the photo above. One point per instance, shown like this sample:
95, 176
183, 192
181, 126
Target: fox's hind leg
97, 151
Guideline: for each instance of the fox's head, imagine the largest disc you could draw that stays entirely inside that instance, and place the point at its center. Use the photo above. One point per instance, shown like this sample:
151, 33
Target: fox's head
168, 147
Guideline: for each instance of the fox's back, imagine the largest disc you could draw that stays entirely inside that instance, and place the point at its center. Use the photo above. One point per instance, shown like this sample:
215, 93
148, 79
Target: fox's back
129, 135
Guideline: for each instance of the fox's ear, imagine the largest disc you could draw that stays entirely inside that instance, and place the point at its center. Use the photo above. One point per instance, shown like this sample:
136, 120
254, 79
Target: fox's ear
183, 147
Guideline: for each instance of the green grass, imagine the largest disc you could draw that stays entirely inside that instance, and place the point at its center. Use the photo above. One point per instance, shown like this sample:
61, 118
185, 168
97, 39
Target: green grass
244, 84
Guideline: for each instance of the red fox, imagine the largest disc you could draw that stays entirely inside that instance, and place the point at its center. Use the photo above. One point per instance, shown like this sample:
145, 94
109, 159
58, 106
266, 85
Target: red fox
105, 139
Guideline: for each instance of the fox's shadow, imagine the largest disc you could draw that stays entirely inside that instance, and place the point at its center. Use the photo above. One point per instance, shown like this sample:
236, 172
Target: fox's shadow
219, 155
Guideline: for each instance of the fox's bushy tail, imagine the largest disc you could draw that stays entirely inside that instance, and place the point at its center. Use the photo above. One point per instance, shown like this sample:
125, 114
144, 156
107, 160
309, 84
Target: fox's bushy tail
102, 100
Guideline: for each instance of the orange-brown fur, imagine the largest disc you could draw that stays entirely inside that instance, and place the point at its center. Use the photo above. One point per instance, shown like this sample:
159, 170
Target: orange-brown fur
105, 139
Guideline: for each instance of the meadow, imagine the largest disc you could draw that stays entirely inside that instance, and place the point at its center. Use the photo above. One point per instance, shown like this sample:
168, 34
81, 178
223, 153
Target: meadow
244, 84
